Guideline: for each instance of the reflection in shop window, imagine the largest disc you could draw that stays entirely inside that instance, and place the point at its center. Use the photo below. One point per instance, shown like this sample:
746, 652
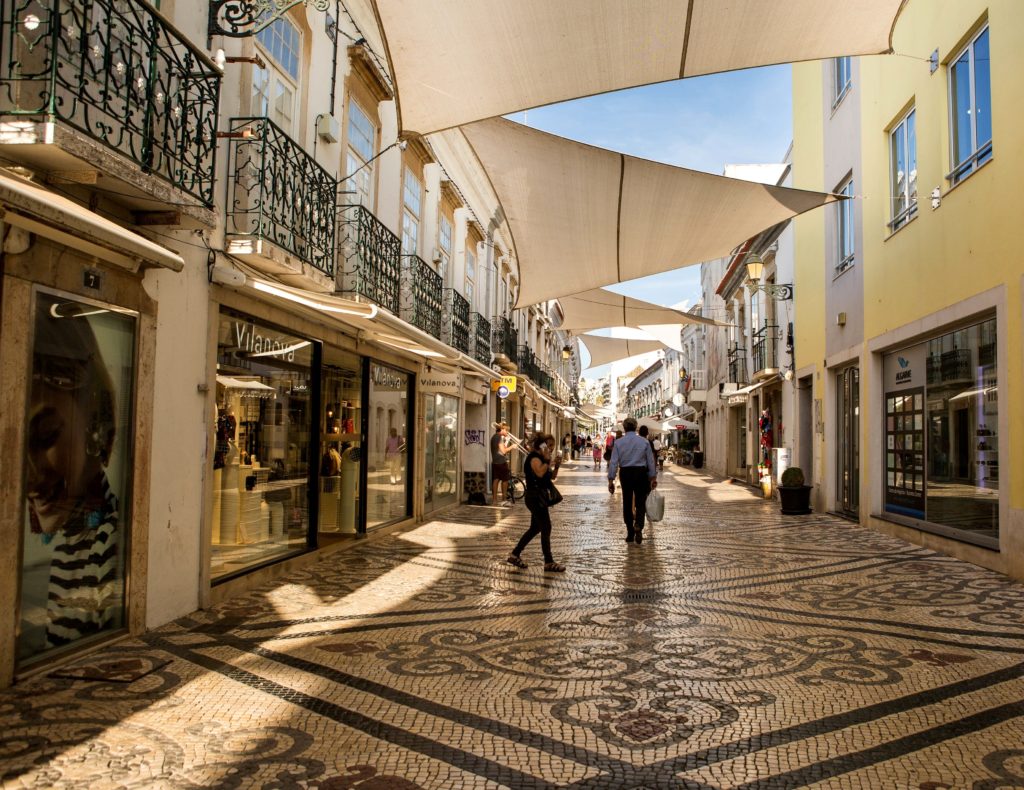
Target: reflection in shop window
261, 461
78, 475
387, 482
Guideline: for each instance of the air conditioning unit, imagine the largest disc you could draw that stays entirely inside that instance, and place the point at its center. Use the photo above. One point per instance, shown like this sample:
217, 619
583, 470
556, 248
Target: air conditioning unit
328, 128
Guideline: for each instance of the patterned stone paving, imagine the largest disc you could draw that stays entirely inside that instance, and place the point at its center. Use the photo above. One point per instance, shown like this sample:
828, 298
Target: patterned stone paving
735, 648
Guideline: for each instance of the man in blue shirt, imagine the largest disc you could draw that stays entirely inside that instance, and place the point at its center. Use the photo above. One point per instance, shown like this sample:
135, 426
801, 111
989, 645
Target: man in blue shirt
633, 458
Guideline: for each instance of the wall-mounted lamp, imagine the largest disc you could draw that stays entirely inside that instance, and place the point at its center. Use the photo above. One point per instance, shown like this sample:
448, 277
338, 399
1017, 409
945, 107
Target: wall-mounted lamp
566, 352
755, 268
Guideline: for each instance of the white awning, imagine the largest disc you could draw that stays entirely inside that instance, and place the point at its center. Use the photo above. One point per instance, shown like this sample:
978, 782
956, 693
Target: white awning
582, 217
55, 217
741, 395
458, 61
598, 308
609, 349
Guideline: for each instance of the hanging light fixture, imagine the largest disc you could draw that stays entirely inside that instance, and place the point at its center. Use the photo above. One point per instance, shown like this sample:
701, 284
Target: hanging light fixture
755, 267
566, 352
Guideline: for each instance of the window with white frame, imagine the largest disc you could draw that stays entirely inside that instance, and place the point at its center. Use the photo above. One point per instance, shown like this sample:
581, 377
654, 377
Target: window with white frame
970, 108
844, 228
470, 274
362, 144
841, 78
412, 192
444, 245
274, 88
903, 170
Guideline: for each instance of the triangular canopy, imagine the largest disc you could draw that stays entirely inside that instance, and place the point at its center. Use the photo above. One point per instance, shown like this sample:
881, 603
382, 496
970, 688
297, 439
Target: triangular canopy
609, 349
582, 217
598, 308
458, 61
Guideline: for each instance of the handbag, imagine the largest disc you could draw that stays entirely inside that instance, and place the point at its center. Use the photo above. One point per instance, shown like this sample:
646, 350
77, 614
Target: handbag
550, 496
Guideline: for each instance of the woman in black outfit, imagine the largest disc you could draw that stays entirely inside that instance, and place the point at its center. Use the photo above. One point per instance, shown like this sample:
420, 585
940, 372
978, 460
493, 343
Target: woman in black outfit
539, 471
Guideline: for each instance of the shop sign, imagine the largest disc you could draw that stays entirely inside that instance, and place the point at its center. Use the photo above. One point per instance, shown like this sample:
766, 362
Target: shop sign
250, 340
440, 382
508, 382
906, 368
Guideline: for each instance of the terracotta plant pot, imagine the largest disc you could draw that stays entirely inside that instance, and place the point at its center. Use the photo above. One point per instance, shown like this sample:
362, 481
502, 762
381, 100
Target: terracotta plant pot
795, 500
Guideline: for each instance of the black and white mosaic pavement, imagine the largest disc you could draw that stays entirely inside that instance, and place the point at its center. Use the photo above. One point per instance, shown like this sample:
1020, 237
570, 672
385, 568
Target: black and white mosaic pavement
734, 648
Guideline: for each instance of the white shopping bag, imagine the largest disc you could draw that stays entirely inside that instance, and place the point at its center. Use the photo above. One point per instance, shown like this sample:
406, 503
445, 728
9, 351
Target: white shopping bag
655, 505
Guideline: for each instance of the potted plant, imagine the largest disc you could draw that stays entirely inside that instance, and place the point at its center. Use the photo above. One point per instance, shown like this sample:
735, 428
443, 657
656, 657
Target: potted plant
794, 495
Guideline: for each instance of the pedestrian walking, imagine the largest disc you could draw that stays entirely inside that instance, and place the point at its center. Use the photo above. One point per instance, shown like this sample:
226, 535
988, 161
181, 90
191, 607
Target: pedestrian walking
500, 474
633, 458
597, 451
538, 471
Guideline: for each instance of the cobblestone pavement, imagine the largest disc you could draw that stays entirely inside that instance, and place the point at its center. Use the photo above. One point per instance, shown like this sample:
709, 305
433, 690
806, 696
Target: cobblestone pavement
735, 648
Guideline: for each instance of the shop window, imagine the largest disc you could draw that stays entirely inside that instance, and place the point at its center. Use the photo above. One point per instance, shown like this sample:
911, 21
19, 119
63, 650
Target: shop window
903, 170
264, 442
941, 433
340, 444
970, 108
387, 474
440, 420
362, 140
78, 475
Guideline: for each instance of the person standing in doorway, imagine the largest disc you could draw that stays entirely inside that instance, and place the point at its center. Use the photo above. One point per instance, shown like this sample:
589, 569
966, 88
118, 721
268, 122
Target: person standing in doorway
633, 458
500, 472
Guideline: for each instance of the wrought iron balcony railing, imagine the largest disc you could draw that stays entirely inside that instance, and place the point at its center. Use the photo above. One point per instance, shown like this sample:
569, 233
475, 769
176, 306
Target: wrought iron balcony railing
455, 322
766, 348
369, 258
956, 364
504, 338
116, 71
738, 365
422, 290
480, 328
277, 192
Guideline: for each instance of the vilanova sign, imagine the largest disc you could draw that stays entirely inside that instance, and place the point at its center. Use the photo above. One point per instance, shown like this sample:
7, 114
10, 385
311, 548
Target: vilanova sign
249, 340
438, 381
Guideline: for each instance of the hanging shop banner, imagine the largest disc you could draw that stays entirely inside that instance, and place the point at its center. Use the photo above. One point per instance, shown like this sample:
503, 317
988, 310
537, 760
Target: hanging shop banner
441, 382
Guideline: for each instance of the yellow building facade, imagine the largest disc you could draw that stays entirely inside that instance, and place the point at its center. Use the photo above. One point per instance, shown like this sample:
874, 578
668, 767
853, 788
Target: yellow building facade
908, 301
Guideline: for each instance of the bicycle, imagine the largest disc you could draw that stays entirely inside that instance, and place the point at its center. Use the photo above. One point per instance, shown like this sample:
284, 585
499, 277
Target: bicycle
516, 488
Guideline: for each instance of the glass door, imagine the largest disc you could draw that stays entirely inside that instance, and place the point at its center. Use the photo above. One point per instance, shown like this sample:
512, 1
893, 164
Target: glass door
848, 441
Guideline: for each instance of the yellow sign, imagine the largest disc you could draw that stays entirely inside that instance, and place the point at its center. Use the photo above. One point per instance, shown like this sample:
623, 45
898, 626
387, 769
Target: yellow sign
509, 382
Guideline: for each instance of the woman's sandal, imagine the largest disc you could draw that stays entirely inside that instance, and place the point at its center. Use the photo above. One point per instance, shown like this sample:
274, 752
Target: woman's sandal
554, 567
514, 560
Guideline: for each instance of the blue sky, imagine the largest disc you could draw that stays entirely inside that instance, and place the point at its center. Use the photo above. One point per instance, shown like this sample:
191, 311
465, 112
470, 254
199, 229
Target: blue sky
703, 123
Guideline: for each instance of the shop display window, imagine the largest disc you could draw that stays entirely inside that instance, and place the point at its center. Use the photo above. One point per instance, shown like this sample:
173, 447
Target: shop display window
440, 426
340, 444
261, 463
78, 473
941, 426
387, 473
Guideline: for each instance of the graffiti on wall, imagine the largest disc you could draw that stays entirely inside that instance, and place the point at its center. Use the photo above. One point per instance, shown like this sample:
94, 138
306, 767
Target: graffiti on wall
474, 436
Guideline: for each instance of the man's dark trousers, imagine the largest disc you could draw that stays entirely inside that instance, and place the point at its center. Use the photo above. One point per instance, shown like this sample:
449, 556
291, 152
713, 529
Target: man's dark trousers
636, 485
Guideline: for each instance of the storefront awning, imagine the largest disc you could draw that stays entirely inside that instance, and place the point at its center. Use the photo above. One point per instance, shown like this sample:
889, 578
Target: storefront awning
741, 395
45, 213
609, 349
598, 308
458, 61
582, 217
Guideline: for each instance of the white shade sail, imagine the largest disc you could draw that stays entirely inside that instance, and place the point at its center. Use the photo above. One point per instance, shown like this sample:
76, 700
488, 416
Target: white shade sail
598, 308
609, 349
458, 61
582, 217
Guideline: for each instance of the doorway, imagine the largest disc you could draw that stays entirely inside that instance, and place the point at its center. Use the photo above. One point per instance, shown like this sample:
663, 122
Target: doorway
848, 441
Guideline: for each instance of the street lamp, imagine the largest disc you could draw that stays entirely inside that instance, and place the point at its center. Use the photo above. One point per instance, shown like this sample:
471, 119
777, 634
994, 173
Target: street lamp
566, 352
755, 268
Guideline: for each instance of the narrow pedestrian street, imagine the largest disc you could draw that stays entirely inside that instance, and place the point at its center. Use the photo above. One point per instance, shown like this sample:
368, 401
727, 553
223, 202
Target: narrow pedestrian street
735, 648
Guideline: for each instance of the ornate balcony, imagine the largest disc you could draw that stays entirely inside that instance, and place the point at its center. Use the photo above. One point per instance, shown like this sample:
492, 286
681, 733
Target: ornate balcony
278, 195
504, 340
765, 354
480, 328
422, 290
369, 257
455, 322
77, 73
738, 365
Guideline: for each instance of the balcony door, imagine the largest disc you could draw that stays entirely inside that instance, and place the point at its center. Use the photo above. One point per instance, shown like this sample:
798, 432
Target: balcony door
275, 86
848, 441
